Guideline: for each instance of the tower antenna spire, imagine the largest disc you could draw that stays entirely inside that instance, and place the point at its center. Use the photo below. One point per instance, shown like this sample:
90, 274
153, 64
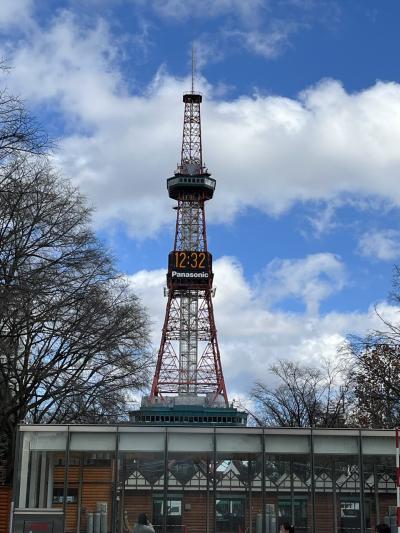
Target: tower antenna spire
193, 67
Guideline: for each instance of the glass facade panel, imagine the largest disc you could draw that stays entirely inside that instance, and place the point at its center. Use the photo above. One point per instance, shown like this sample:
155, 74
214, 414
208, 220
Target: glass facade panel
140, 488
238, 481
326, 505
288, 489
343, 444
238, 491
212, 481
379, 473
150, 441
190, 485
92, 441
346, 479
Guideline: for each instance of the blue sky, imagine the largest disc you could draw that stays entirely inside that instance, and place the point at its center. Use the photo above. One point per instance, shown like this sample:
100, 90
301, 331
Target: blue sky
301, 129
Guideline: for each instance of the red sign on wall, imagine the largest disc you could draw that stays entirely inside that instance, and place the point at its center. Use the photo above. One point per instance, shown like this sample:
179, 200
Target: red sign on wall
38, 527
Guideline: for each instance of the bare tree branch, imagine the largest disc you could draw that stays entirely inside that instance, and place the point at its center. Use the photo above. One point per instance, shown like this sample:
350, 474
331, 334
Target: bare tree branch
304, 396
73, 337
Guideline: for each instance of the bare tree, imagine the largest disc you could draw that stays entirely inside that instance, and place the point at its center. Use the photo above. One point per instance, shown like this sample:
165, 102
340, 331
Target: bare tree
73, 337
376, 374
19, 131
304, 396
376, 379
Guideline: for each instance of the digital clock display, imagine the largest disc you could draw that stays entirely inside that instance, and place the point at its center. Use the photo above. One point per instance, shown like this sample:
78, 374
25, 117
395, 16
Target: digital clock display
189, 267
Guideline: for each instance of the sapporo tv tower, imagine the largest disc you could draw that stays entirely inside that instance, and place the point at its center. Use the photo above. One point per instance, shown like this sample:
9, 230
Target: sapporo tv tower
188, 385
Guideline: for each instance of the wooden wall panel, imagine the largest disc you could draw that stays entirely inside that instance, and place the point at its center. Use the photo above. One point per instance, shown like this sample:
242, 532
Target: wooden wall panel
5, 502
136, 502
324, 517
97, 474
93, 493
96, 487
195, 518
71, 516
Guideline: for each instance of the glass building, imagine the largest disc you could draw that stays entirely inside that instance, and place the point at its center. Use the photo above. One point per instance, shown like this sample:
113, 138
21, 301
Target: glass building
97, 479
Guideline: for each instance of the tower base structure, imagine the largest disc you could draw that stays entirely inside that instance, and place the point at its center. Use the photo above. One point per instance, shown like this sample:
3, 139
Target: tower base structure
187, 410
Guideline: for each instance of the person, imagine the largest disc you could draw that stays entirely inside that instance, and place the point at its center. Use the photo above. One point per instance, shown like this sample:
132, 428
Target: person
143, 525
126, 526
288, 528
382, 528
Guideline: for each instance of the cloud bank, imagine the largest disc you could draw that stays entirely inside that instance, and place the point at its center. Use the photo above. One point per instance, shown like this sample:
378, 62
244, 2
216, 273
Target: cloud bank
266, 151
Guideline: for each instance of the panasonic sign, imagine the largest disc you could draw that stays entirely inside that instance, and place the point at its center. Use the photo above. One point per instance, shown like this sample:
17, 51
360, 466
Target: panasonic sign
202, 275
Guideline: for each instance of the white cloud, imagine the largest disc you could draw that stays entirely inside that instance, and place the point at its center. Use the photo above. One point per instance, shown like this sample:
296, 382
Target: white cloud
184, 9
251, 334
383, 244
15, 13
311, 279
266, 151
268, 44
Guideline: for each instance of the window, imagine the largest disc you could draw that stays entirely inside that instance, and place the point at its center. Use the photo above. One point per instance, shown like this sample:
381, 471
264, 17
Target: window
350, 513
74, 460
299, 508
97, 459
58, 495
230, 515
174, 513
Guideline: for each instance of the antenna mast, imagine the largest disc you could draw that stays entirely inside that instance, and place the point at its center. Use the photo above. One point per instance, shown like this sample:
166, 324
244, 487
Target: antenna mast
193, 68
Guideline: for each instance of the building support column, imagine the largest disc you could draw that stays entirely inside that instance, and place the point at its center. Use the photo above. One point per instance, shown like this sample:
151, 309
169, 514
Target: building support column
208, 497
116, 500
214, 499
334, 498
33, 480
43, 479
263, 495
312, 462
376, 490
50, 474
361, 482
66, 479
165, 498
291, 493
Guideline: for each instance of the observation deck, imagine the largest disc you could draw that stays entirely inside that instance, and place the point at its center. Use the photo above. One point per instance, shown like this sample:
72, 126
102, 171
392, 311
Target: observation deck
192, 98
197, 184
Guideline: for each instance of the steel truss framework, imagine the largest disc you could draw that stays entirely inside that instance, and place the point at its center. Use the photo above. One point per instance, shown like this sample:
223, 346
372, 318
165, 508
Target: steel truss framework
189, 359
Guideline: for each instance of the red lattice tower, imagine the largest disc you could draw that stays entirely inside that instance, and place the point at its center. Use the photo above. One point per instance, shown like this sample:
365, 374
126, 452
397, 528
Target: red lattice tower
189, 362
